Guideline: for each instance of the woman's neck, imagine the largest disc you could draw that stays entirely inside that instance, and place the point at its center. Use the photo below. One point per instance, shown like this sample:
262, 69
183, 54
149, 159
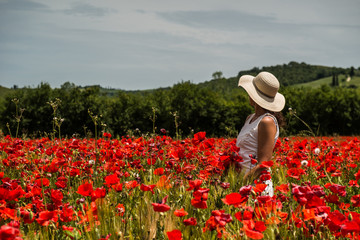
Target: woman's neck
259, 111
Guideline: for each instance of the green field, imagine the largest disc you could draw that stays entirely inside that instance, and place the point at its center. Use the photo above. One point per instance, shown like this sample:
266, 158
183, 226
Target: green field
354, 81
4, 91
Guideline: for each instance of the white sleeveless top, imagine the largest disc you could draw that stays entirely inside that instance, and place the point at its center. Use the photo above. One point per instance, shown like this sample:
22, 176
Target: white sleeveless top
247, 140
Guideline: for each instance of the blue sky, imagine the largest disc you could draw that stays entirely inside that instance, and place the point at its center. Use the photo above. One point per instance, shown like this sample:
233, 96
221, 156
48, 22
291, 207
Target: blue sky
145, 44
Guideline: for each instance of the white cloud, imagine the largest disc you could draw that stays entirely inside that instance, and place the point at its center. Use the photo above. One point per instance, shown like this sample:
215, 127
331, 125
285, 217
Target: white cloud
88, 10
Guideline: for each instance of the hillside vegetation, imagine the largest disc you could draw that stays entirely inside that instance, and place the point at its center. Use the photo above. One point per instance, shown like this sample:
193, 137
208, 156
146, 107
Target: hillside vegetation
217, 106
291, 74
344, 81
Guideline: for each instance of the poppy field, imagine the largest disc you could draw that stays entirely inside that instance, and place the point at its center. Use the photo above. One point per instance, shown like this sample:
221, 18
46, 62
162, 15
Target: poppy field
157, 187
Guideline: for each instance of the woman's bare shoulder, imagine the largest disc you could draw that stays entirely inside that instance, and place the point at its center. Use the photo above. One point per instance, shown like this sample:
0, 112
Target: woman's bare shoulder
267, 122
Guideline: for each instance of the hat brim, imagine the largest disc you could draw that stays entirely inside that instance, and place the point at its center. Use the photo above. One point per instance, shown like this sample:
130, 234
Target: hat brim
275, 104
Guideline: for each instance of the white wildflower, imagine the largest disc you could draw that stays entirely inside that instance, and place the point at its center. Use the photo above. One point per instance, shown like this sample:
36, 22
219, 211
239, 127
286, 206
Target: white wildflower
304, 163
317, 151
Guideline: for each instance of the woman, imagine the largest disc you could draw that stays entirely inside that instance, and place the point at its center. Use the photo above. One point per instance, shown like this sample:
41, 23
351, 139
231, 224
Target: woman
258, 136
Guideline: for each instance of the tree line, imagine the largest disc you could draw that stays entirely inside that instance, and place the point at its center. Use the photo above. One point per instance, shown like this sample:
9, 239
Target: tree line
181, 110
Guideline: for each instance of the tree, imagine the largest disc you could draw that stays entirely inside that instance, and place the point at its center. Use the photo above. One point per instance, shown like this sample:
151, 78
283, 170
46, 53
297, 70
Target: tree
217, 75
352, 71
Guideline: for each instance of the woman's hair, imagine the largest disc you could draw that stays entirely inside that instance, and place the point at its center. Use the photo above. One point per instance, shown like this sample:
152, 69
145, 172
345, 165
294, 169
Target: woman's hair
279, 117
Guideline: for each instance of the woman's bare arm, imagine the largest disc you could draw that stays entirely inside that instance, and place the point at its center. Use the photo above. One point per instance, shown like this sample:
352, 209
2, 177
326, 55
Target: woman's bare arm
266, 137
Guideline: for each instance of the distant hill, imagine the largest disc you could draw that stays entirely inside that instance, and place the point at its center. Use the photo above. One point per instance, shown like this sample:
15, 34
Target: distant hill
288, 74
291, 74
344, 81
4, 91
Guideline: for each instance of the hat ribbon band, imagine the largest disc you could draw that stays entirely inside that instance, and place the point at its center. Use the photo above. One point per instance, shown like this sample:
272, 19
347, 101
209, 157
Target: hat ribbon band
257, 89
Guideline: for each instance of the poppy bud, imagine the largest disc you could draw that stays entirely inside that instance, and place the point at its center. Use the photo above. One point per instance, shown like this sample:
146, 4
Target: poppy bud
276, 231
253, 193
31, 214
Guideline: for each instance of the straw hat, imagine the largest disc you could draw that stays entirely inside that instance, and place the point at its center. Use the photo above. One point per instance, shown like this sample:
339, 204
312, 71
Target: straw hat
263, 89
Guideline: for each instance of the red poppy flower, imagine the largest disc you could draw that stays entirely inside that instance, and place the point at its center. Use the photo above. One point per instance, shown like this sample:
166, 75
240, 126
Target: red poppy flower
225, 185
121, 209
349, 227
253, 234
9, 233
107, 135
253, 159
217, 222
180, 213
234, 199
159, 171
85, 189
131, 184
111, 179
145, 188
46, 216
151, 161
67, 213
254, 230
198, 137
336, 188
260, 226
245, 190
265, 175
42, 182
4, 193
194, 184
98, 193
267, 164
315, 201
246, 215
174, 235
198, 203
67, 228
357, 175
201, 193
200, 198
61, 184
284, 188
309, 214
259, 188
161, 207
117, 187
353, 183
27, 216
221, 217
355, 200
190, 221
56, 196
10, 195
74, 172
333, 198
295, 173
